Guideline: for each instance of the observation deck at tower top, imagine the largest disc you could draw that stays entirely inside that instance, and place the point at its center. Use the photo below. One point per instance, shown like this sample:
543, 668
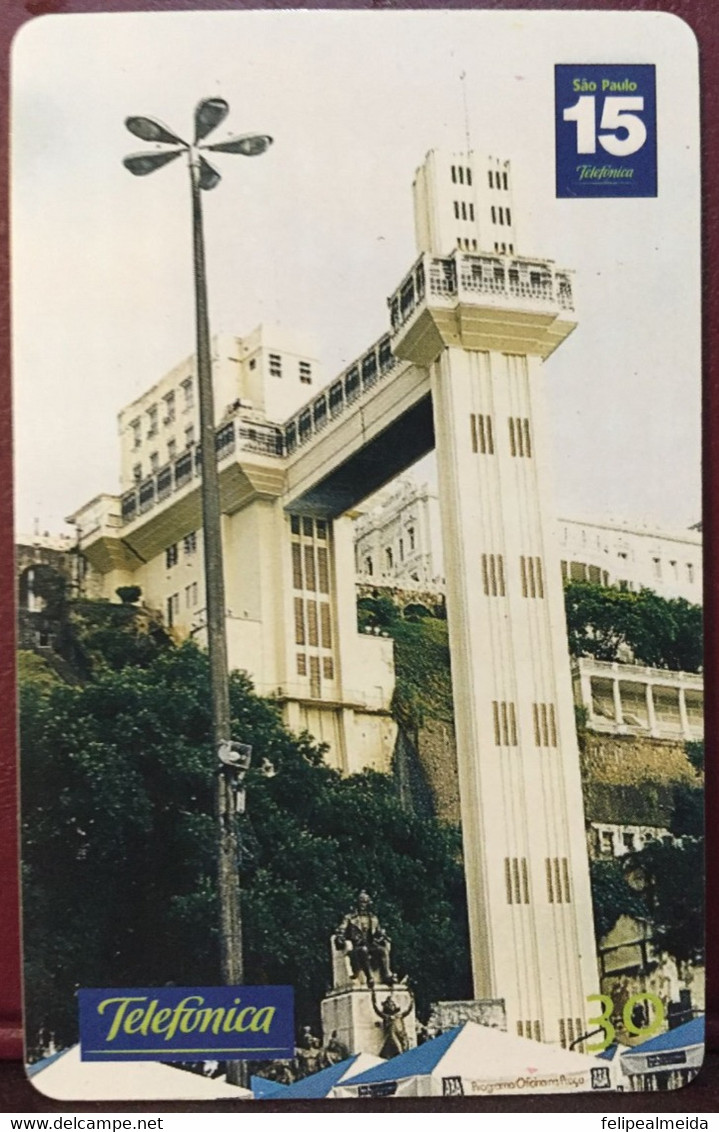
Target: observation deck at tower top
517, 296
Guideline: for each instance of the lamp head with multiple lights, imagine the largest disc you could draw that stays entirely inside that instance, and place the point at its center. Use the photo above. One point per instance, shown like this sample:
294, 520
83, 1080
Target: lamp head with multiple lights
208, 115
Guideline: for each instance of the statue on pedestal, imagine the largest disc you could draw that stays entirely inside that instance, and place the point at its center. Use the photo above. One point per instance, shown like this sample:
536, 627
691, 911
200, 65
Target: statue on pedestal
393, 1028
369, 946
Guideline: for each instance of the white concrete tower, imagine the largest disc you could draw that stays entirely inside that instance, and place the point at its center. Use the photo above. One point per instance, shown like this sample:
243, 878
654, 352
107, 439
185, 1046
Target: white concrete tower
482, 323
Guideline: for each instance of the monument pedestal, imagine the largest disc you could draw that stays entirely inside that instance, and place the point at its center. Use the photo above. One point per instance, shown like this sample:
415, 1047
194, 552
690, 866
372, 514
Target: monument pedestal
348, 1010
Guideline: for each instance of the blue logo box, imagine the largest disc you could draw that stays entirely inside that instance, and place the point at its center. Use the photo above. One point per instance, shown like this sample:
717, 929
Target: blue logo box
606, 130
186, 1023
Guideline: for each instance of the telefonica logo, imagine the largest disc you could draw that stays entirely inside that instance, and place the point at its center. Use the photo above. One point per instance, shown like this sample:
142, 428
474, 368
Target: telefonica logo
186, 1023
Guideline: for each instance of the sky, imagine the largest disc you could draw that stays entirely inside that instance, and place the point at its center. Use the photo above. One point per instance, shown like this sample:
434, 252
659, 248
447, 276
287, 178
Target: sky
315, 234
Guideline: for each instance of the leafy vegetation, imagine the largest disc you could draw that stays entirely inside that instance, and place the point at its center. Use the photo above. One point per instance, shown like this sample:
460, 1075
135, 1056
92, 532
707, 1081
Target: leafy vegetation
615, 625
119, 842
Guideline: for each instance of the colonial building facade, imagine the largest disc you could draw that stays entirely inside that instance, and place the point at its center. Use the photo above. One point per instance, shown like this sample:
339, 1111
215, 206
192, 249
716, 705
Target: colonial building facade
398, 542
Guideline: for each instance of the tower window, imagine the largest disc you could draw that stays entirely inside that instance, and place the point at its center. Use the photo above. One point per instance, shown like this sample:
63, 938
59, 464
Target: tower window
171, 555
454, 175
494, 215
508, 214
505, 723
516, 880
482, 434
460, 174
491, 179
464, 211
520, 443
557, 873
471, 210
530, 568
504, 179
305, 373
456, 210
275, 365
545, 725
493, 575
469, 176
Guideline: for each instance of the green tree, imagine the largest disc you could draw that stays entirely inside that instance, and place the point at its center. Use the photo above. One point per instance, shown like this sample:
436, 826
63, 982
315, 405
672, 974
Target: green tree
659, 632
119, 847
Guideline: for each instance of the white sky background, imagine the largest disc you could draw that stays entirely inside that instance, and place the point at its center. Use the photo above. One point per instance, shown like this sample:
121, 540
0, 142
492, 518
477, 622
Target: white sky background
317, 233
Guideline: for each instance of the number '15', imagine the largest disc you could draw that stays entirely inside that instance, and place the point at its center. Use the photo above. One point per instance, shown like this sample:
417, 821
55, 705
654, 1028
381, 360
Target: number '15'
616, 115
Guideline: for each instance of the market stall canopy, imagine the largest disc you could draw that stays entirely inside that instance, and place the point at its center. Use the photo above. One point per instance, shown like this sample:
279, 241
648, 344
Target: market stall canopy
479, 1060
681, 1048
64, 1077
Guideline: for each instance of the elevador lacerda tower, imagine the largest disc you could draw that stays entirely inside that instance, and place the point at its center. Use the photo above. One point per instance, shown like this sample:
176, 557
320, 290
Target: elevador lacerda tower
482, 319
459, 370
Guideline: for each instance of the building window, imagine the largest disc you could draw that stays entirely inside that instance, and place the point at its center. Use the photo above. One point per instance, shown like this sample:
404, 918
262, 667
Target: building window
189, 436
520, 443
482, 433
169, 400
305, 373
368, 566
456, 210
530, 568
401, 550
690, 573
469, 176
557, 873
471, 211
491, 179
508, 214
173, 609
657, 563
328, 668
545, 725
136, 428
189, 543
315, 676
505, 723
531, 1030
137, 473
494, 215
321, 529
516, 880
191, 595
297, 566
154, 462
323, 571
295, 524
171, 449
464, 211
325, 625
275, 365
152, 421
312, 634
299, 622
301, 664
460, 174
501, 216
504, 180
188, 393
171, 555
454, 175
310, 579
253, 363
308, 527
389, 558
493, 575
412, 538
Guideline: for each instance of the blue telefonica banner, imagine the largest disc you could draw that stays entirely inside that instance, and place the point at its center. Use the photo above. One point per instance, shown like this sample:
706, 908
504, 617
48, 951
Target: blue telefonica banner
186, 1023
606, 130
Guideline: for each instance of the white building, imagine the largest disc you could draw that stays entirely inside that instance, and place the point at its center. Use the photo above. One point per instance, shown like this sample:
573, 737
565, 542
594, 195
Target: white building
398, 542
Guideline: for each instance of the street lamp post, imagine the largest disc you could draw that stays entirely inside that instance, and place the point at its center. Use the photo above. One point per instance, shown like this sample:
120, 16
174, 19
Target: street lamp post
203, 176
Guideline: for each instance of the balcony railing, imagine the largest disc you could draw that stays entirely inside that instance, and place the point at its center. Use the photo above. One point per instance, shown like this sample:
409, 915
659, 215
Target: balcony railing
464, 275
334, 399
247, 436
